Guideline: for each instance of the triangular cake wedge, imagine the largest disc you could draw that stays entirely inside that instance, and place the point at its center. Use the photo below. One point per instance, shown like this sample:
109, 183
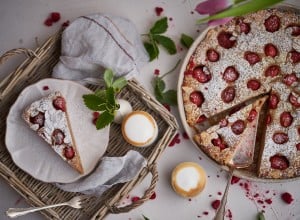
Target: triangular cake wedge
280, 153
232, 141
48, 117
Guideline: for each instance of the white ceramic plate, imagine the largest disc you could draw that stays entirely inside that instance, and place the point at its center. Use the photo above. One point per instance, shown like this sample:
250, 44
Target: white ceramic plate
33, 155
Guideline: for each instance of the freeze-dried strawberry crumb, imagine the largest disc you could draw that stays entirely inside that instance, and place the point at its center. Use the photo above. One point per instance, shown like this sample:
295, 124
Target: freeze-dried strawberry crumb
235, 179
268, 201
158, 10
135, 198
66, 23
287, 197
167, 107
153, 196
48, 22
156, 72
185, 135
175, 140
55, 16
215, 204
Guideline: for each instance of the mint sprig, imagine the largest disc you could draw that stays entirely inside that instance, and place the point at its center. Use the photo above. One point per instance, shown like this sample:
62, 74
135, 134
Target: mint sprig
104, 100
156, 38
186, 40
168, 97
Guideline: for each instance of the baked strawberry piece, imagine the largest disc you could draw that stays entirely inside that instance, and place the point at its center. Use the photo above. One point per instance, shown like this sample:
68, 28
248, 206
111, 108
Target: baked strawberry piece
232, 141
48, 117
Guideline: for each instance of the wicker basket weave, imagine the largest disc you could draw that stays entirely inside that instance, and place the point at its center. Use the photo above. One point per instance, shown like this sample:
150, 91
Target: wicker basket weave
39, 65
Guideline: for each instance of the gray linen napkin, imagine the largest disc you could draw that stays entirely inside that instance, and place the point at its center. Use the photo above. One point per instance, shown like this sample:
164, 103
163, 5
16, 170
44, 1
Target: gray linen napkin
110, 171
91, 44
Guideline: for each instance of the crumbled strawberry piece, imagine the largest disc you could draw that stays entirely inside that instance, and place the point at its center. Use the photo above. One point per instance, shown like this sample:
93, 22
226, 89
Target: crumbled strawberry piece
185, 135
215, 204
287, 197
45, 88
268, 201
153, 196
48, 22
235, 180
55, 16
156, 72
66, 24
135, 198
158, 10
175, 140
167, 107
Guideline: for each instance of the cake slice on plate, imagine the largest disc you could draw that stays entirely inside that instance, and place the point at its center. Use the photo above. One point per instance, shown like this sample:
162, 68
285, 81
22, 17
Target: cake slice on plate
232, 141
49, 119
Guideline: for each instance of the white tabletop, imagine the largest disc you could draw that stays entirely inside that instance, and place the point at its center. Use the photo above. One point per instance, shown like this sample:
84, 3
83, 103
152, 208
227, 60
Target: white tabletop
21, 24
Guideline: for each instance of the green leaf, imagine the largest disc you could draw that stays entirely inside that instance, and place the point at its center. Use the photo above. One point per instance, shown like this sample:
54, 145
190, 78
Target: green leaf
160, 26
145, 218
108, 77
170, 97
110, 97
94, 102
260, 216
159, 86
186, 40
119, 83
241, 9
101, 93
159, 83
105, 118
166, 42
152, 50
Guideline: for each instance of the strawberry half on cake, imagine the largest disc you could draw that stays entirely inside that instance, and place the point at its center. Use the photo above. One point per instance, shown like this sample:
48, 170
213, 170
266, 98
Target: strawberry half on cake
49, 119
232, 141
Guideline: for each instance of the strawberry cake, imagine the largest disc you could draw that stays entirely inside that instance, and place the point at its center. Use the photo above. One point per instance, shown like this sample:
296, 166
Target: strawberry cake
250, 56
48, 117
232, 140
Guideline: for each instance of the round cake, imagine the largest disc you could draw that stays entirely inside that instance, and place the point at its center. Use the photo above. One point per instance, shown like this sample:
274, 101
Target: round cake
251, 56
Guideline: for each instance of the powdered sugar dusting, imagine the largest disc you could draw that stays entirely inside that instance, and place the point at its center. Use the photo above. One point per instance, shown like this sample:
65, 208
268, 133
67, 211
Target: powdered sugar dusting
287, 149
54, 119
254, 41
249, 69
231, 139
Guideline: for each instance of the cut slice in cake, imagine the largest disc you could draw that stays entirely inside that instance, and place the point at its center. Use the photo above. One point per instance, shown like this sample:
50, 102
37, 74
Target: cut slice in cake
280, 154
48, 117
232, 141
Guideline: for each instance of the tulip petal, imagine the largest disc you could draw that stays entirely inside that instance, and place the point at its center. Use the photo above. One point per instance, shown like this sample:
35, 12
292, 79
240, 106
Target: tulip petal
219, 21
212, 6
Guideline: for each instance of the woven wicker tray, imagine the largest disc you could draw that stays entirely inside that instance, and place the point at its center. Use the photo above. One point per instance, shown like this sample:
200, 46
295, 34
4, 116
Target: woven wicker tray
39, 65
